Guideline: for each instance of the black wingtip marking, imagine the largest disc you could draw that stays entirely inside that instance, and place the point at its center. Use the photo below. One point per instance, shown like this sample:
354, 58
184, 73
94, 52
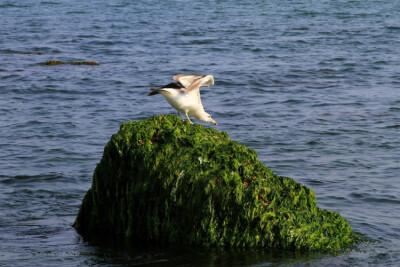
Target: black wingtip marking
173, 86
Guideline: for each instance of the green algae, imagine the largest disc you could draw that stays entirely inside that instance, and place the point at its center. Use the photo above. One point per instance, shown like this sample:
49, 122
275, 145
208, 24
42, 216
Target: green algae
167, 181
57, 62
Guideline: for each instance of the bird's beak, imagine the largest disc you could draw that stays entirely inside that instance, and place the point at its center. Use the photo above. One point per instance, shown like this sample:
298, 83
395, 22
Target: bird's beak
214, 122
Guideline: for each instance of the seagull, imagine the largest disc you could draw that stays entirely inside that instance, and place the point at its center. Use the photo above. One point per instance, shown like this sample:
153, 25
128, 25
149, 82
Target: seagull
184, 95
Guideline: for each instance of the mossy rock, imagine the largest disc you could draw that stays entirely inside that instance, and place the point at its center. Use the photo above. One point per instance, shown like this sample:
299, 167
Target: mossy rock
167, 181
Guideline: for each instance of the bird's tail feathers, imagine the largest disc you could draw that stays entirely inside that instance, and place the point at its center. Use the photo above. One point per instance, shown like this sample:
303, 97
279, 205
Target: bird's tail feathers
153, 91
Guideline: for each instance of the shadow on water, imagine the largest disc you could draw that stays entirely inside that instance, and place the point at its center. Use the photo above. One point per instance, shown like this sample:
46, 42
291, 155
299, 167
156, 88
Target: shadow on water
123, 251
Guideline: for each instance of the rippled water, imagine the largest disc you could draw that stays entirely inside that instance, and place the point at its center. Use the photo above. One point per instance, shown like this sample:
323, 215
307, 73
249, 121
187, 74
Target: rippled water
312, 86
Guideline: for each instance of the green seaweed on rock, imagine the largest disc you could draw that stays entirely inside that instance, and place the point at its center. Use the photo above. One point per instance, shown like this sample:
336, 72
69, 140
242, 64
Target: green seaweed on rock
167, 181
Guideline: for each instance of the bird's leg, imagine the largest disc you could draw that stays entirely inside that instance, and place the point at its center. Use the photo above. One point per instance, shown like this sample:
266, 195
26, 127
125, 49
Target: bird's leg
180, 116
188, 118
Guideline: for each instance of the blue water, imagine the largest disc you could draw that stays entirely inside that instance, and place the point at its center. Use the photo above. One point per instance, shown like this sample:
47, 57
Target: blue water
312, 86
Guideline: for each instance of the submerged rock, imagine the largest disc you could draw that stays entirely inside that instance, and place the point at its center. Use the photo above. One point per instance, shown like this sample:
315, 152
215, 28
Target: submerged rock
57, 62
165, 180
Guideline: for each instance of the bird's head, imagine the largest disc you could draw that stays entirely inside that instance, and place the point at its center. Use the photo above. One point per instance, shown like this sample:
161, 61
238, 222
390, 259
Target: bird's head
207, 118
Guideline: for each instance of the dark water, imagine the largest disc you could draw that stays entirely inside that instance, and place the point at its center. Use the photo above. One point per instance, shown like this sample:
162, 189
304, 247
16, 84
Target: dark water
312, 86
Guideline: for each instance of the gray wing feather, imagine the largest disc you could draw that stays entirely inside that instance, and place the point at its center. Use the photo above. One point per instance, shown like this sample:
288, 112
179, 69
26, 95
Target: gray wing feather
187, 79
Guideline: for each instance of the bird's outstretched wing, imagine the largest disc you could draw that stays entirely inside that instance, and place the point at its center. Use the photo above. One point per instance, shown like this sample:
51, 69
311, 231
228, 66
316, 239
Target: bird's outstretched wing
194, 81
207, 80
187, 79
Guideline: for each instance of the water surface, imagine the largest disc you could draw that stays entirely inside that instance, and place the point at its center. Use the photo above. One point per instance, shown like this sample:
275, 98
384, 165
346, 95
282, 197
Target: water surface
312, 86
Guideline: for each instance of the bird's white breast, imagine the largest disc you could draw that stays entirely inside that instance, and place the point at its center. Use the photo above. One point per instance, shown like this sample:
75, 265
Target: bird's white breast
180, 101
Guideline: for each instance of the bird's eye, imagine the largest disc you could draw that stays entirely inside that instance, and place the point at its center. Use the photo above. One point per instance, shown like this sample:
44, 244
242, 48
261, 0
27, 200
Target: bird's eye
209, 116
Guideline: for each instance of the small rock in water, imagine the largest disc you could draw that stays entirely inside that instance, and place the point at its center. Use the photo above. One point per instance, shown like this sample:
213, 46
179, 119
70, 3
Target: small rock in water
57, 62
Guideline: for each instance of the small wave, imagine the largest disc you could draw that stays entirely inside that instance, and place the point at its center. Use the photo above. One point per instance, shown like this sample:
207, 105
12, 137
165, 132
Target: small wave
395, 126
4, 179
203, 41
307, 13
372, 199
301, 29
50, 90
393, 28
314, 182
11, 51
119, 5
293, 101
77, 12
49, 3
8, 5
87, 36
31, 51
380, 62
